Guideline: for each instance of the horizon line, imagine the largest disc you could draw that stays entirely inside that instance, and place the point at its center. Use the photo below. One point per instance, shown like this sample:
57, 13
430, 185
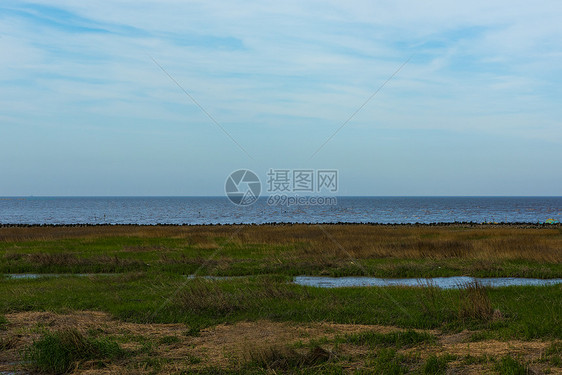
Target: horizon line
264, 196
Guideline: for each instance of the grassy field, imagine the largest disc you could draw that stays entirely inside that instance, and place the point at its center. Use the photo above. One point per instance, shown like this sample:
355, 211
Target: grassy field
137, 312
336, 250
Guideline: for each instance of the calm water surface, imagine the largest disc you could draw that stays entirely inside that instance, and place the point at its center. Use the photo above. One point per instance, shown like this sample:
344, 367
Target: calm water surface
453, 282
219, 210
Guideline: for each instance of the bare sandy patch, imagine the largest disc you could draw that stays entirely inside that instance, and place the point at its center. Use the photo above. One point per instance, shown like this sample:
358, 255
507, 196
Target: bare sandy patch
228, 345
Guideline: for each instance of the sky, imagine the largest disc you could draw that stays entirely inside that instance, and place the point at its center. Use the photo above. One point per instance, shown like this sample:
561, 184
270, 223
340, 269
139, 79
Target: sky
465, 97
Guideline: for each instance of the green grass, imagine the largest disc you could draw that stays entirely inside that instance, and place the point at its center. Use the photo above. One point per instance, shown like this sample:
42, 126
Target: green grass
274, 358
471, 360
397, 340
60, 352
194, 331
436, 365
511, 366
387, 361
287, 250
167, 340
553, 355
146, 284
193, 360
529, 312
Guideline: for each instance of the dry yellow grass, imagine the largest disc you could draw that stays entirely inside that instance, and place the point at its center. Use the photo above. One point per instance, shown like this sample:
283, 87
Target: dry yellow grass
476, 242
230, 346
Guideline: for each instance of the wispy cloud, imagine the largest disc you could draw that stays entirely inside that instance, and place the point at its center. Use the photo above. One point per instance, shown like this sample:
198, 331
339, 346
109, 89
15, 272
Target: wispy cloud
282, 77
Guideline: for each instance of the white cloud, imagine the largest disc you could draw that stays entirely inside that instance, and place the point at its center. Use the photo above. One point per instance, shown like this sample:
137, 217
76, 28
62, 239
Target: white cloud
479, 67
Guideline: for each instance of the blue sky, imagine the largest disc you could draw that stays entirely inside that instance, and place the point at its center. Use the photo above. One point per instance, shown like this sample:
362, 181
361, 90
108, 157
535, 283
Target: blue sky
85, 111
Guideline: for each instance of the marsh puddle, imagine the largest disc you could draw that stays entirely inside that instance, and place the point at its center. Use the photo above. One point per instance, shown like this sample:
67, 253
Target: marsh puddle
216, 278
453, 282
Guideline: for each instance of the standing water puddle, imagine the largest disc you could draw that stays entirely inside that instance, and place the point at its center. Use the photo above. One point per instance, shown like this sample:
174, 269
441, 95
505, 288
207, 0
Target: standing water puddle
453, 282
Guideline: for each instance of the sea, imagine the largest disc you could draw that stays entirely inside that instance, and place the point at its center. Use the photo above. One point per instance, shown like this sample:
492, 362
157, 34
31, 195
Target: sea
220, 210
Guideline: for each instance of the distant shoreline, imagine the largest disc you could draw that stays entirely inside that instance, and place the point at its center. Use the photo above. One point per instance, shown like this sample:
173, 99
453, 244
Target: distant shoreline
440, 224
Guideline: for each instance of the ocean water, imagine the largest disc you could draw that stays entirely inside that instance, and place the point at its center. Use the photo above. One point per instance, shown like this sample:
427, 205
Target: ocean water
219, 210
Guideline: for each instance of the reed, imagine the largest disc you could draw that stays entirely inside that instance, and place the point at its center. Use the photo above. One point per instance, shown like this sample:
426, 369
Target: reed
335, 250
486, 242
474, 302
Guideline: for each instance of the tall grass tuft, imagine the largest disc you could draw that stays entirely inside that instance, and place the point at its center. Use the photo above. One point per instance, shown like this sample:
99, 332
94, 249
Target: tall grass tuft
3, 322
63, 351
201, 296
435, 365
429, 299
474, 302
278, 358
208, 296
